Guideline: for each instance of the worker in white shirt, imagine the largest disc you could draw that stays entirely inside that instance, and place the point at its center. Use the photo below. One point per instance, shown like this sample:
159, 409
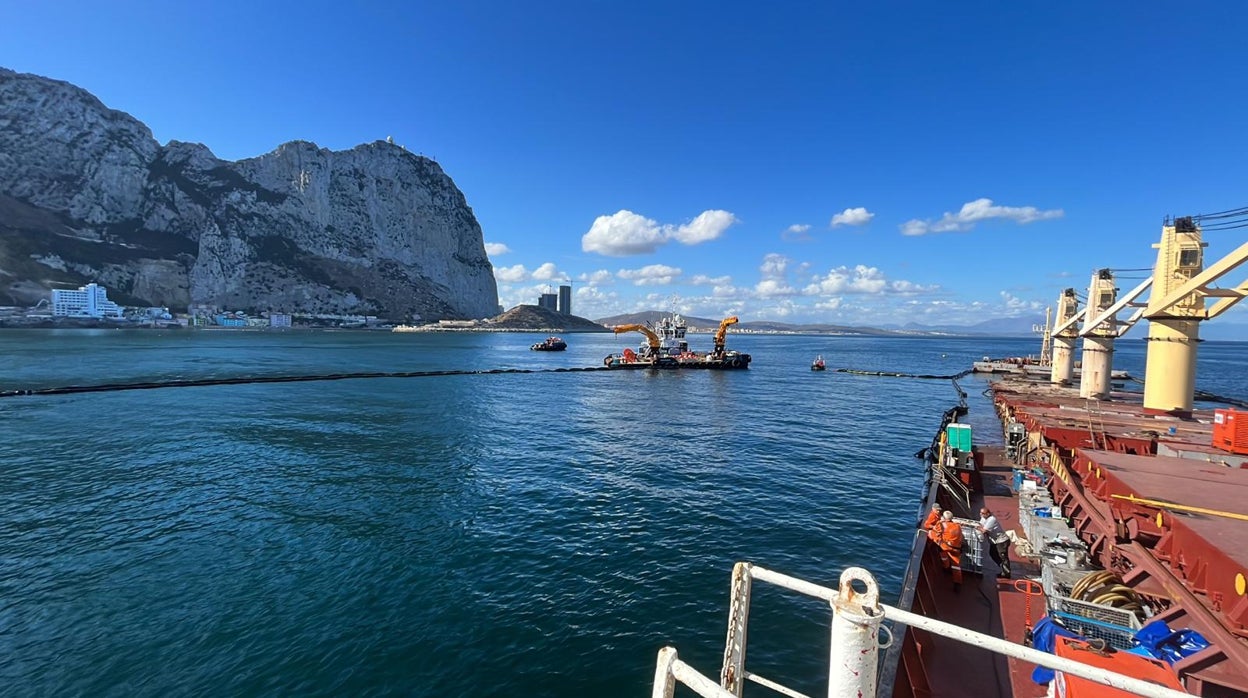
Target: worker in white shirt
998, 541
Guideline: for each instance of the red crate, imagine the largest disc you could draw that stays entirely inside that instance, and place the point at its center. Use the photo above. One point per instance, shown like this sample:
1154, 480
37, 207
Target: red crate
1230, 431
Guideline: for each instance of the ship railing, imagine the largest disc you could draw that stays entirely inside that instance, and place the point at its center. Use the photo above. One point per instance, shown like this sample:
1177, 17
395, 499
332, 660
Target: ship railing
853, 661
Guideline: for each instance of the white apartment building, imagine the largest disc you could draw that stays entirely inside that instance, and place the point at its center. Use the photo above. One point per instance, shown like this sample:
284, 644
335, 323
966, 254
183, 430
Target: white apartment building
88, 301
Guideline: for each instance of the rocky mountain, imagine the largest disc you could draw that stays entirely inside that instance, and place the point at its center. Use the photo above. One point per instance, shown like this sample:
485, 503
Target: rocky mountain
537, 318
87, 194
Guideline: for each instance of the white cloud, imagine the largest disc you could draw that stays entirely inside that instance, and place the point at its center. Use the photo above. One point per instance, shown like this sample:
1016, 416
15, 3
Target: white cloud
512, 274
547, 272
774, 266
625, 233
860, 279
773, 288
495, 249
796, 232
704, 280
914, 227
602, 277
852, 216
709, 225
518, 273
1015, 304
622, 234
650, 275
973, 212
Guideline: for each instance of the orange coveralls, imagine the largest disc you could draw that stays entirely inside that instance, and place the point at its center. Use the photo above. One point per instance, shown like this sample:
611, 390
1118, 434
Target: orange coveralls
929, 525
949, 537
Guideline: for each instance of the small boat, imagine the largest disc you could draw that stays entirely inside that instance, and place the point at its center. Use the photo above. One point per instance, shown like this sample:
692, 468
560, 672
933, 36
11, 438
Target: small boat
818, 365
551, 344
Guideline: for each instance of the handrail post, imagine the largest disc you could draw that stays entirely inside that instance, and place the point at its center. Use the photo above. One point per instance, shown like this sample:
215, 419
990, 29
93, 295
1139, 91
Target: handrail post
855, 637
664, 681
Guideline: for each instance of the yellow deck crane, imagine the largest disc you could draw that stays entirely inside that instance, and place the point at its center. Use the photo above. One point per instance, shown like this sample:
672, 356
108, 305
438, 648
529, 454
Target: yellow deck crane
651, 338
718, 350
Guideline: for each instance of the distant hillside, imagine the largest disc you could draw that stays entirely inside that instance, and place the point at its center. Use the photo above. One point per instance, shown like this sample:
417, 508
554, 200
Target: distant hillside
769, 326
696, 324
538, 319
997, 327
651, 317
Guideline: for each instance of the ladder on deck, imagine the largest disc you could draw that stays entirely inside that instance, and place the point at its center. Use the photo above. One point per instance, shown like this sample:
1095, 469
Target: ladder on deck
1096, 430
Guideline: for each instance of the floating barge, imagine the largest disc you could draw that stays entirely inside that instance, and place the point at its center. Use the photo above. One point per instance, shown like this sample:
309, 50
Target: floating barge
1029, 366
667, 348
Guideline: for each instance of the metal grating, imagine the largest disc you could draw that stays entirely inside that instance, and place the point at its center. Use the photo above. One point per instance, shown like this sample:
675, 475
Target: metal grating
1097, 612
1116, 636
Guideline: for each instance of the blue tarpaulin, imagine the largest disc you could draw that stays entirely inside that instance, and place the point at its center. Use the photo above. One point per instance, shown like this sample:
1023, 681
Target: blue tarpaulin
1042, 634
1169, 645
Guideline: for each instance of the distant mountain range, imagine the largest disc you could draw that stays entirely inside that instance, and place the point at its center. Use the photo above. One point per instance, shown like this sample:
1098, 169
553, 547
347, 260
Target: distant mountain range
998, 327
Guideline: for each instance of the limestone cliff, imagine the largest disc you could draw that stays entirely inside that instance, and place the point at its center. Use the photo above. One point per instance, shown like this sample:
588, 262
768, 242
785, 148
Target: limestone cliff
87, 194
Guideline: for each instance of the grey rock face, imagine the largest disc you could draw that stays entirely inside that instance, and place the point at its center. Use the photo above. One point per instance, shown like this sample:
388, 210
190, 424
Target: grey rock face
86, 194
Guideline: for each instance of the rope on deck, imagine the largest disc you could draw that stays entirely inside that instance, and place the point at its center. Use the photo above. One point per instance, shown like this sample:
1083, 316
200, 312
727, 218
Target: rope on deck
243, 380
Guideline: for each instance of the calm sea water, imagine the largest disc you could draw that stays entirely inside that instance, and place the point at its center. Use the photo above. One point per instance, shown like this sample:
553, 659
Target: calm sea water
535, 534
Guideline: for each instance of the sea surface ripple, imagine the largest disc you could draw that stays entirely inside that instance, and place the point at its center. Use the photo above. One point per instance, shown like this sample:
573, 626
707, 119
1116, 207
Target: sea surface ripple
473, 535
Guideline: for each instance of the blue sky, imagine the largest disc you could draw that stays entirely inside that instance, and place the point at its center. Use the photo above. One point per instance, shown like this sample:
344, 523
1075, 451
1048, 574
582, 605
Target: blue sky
864, 163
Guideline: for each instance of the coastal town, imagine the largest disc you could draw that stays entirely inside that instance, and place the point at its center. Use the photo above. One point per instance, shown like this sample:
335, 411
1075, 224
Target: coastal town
90, 307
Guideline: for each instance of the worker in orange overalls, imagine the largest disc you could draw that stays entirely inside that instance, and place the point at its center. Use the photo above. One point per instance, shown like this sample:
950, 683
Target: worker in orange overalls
950, 541
932, 523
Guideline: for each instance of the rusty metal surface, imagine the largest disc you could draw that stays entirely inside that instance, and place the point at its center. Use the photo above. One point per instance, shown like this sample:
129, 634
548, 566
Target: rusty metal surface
1192, 558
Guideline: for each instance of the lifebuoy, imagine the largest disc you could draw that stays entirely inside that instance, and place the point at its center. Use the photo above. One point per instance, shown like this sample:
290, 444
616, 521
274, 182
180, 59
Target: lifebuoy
734, 362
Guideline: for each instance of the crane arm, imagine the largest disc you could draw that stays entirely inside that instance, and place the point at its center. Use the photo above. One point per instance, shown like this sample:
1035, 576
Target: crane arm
651, 337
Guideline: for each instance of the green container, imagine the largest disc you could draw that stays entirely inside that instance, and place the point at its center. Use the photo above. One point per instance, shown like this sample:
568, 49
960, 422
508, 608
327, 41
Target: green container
958, 436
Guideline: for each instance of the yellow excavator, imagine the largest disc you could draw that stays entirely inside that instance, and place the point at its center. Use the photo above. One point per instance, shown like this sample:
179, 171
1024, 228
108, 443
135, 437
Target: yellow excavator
651, 337
718, 351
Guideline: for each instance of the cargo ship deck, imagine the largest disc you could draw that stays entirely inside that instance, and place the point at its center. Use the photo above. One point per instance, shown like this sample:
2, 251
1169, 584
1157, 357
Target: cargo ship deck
1148, 497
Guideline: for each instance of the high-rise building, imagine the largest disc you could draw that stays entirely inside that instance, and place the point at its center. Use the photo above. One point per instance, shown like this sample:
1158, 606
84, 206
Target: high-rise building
88, 301
565, 299
548, 300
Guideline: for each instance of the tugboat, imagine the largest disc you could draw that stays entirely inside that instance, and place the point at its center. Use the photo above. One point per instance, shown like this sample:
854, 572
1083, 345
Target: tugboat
818, 364
551, 344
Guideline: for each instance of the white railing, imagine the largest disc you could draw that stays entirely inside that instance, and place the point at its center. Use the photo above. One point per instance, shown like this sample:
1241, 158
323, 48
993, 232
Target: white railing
855, 643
